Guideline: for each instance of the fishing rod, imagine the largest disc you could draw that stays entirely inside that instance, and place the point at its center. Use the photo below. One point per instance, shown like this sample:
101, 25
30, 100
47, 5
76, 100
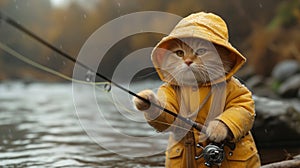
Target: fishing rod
213, 153
21, 28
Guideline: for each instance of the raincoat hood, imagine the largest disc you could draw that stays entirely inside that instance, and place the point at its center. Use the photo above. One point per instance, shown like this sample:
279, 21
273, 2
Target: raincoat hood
207, 26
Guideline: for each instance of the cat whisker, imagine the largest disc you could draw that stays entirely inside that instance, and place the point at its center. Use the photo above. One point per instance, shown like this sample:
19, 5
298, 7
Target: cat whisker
202, 76
171, 76
214, 73
146, 75
176, 76
172, 67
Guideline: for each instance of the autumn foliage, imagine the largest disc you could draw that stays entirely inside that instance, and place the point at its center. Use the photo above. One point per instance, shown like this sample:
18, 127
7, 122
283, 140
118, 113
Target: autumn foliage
266, 32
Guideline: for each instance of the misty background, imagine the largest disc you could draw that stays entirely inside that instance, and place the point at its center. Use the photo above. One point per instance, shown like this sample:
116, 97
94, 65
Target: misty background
266, 32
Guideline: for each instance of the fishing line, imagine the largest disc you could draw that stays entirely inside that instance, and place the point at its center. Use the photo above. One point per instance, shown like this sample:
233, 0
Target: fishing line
49, 70
21, 28
106, 85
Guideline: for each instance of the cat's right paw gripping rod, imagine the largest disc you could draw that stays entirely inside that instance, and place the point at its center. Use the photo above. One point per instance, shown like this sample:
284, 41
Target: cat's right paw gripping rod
213, 153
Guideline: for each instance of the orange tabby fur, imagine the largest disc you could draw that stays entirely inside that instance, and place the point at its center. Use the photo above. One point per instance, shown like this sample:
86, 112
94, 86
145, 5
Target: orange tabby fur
210, 64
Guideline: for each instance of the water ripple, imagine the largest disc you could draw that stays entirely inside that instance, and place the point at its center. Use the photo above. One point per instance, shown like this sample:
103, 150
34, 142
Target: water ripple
39, 128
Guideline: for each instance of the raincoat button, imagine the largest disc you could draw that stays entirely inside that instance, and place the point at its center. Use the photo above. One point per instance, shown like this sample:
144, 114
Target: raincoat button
230, 153
177, 150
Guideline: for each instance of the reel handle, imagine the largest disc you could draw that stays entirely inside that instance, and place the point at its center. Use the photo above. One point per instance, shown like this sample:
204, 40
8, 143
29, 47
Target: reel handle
231, 145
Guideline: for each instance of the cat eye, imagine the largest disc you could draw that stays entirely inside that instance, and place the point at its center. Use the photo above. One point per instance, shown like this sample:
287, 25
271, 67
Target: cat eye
179, 53
200, 51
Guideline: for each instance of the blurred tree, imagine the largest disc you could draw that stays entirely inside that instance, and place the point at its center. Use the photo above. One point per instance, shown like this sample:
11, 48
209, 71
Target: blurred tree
275, 39
262, 30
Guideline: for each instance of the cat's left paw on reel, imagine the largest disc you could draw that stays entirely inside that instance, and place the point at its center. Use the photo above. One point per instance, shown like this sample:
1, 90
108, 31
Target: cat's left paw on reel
217, 131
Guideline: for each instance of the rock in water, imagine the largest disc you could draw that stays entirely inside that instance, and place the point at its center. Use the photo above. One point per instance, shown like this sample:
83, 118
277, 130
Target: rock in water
277, 123
255, 81
285, 69
290, 87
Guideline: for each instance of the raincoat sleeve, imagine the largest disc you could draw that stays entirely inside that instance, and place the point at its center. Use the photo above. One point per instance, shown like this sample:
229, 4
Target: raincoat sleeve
168, 99
239, 111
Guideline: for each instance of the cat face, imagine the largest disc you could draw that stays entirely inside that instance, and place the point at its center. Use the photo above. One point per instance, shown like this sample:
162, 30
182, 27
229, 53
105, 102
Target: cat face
190, 61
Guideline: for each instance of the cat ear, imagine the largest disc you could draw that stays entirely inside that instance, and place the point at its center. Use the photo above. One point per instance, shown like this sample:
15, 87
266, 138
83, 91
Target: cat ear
158, 56
161, 51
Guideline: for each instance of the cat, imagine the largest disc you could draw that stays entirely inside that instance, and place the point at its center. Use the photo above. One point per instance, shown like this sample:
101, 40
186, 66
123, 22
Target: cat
190, 61
197, 62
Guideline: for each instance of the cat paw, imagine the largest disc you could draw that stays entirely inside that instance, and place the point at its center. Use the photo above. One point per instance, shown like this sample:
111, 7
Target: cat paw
142, 105
216, 131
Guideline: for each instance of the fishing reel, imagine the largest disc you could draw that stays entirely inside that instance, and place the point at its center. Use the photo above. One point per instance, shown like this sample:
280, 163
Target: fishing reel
213, 154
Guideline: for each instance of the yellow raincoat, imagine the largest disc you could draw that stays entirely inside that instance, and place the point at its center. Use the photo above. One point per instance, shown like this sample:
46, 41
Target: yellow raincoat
237, 109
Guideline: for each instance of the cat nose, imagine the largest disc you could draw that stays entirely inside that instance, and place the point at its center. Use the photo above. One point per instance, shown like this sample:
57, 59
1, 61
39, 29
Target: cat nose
188, 62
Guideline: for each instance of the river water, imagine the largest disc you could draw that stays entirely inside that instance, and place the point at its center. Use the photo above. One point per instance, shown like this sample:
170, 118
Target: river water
76, 125
58, 125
